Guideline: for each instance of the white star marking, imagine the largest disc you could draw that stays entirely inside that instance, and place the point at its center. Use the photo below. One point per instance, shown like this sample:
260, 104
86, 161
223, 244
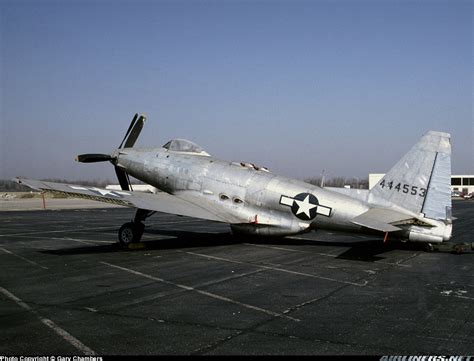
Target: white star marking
103, 192
78, 188
304, 206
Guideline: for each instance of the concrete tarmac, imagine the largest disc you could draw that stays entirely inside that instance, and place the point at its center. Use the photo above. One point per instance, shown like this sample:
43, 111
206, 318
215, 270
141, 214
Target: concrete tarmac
33, 204
66, 288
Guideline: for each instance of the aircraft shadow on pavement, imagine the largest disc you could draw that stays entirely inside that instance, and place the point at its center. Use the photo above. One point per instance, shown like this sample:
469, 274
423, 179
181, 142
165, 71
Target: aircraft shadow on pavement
365, 250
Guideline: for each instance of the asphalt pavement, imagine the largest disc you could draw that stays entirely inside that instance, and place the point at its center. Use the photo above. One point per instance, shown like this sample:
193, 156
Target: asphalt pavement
66, 288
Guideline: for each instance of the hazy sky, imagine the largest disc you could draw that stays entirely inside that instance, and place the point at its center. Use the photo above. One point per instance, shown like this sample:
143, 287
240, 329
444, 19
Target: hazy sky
297, 86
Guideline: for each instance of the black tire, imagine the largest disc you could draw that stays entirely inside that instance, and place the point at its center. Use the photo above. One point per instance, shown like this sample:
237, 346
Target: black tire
130, 233
428, 247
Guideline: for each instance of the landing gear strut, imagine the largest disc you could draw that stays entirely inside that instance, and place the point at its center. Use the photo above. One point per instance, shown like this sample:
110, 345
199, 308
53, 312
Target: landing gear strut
131, 232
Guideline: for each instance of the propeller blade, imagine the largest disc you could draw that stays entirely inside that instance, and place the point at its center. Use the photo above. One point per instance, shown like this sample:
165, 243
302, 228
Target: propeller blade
123, 179
93, 158
129, 129
135, 132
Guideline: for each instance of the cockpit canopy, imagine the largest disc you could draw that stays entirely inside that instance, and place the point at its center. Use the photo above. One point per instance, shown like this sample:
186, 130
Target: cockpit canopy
185, 146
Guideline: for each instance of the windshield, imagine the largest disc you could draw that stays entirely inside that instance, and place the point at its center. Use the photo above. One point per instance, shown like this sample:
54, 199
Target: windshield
183, 145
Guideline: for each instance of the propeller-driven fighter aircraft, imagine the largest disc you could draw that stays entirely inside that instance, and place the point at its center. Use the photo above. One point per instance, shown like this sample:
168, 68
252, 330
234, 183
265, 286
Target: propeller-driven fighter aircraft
412, 202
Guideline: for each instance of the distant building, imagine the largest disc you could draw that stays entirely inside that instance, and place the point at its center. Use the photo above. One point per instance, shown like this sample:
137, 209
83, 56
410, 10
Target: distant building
374, 178
463, 184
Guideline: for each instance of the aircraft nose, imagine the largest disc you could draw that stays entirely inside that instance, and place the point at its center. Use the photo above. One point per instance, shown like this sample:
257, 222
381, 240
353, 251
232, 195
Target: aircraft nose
123, 157
115, 154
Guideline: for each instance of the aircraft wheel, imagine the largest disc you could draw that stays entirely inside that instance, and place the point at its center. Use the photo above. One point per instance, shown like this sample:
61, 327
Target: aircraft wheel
429, 247
129, 233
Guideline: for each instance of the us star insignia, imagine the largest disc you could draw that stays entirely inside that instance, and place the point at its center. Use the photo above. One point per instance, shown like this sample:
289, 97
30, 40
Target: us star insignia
305, 206
101, 192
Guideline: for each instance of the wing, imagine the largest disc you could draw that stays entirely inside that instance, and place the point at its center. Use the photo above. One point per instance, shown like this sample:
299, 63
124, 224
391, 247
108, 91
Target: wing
160, 202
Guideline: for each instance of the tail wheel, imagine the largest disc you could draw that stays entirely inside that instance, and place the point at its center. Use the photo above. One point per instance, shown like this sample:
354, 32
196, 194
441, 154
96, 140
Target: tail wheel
130, 233
428, 247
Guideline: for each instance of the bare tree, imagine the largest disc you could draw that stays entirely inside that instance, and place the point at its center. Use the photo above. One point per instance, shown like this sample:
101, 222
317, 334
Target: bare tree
358, 183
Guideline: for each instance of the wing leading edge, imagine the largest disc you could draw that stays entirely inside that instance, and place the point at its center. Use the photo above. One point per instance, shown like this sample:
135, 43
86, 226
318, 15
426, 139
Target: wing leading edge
160, 202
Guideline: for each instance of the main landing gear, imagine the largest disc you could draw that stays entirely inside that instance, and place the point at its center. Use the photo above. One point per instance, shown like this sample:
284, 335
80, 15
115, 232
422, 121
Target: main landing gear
131, 232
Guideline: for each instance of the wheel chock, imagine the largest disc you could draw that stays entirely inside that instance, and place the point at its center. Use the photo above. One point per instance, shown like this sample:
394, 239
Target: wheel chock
136, 245
454, 247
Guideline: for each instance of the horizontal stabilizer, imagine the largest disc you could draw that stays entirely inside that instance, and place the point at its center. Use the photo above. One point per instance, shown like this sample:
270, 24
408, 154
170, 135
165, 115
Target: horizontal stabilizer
381, 219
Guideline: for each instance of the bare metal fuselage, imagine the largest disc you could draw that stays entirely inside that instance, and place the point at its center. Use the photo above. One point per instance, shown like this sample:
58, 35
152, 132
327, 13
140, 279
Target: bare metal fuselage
240, 189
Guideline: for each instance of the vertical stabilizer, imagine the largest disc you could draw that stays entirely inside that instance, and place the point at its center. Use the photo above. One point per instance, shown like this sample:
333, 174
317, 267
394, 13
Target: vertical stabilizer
421, 181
